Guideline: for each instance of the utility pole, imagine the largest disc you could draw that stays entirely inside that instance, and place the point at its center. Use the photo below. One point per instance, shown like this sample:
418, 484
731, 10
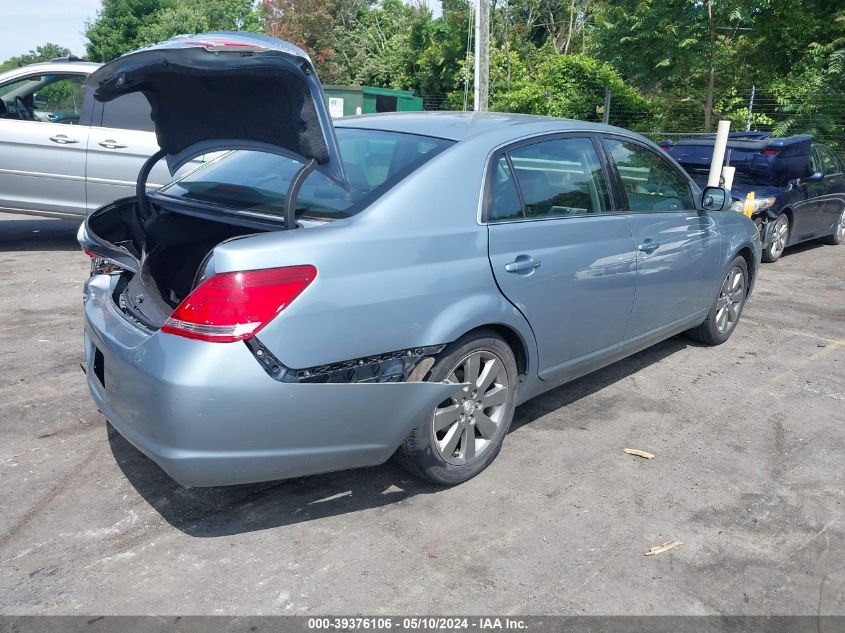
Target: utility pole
482, 56
711, 81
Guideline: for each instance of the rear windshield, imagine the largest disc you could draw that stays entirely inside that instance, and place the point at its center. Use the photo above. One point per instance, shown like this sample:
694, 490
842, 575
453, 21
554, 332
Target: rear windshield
701, 175
258, 182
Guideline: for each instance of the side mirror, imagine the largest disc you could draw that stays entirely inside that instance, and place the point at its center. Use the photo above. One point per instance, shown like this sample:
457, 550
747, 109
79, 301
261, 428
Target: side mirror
814, 177
713, 199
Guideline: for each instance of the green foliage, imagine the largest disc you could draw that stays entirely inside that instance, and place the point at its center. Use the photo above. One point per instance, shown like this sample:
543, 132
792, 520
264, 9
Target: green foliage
124, 25
115, 30
668, 63
733, 106
43, 53
812, 94
573, 86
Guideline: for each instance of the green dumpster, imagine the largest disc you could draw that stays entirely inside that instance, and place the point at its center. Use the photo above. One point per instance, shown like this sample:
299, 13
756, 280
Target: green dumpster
352, 100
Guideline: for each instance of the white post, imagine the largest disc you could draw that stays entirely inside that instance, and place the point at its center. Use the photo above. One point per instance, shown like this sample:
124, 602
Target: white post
718, 153
728, 176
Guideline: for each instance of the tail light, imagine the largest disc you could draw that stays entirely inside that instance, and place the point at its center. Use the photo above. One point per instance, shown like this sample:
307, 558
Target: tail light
234, 306
769, 152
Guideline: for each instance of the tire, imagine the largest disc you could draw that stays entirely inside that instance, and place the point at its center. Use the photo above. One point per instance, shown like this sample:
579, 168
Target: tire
726, 308
780, 235
444, 455
838, 235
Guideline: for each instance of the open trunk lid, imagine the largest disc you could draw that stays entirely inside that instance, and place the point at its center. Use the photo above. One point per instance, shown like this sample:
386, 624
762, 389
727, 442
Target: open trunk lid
221, 91
765, 160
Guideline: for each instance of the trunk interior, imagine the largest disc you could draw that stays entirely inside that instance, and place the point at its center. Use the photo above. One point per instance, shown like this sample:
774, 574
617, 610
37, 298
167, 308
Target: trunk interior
171, 250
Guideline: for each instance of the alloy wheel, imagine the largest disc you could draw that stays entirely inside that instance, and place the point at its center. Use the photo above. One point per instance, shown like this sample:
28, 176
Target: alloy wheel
779, 236
729, 303
465, 425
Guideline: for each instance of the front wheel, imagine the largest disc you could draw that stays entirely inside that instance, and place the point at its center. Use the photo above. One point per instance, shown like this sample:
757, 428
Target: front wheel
726, 308
463, 434
838, 235
780, 235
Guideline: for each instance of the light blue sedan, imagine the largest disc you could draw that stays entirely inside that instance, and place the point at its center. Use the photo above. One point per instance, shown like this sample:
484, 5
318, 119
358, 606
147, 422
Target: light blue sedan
330, 294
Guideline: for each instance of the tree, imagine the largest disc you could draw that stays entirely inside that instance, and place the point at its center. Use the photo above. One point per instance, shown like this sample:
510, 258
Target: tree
115, 30
310, 24
671, 48
43, 53
573, 86
124, 25
812, 95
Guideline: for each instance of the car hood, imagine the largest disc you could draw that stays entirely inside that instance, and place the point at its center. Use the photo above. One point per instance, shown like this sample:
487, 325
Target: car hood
219, 91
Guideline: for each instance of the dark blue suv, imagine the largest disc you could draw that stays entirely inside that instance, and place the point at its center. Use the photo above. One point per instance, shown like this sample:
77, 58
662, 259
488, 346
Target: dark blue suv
798, 185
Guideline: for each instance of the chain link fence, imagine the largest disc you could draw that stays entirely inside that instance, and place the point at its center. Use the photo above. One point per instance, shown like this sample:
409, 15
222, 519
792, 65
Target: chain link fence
824, 120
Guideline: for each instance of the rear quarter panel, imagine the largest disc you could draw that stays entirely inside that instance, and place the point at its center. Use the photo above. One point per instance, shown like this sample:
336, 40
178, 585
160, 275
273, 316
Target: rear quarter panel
411, 270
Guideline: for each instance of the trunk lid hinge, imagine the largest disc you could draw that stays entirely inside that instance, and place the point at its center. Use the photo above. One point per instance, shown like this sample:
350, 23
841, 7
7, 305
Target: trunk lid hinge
293, 193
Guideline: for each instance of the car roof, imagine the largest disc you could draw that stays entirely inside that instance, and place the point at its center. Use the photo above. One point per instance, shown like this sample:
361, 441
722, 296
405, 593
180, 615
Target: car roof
458, 126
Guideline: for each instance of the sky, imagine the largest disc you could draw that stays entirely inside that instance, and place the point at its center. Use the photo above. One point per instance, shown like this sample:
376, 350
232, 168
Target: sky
25, 24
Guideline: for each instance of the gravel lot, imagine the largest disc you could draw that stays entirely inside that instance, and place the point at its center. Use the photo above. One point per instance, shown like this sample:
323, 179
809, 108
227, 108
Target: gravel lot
749, 473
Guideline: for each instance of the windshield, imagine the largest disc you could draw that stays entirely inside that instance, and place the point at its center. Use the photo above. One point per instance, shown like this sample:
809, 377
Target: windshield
258, 182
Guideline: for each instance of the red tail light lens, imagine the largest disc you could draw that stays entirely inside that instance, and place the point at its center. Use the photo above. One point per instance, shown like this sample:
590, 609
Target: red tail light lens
769, 152
235, 306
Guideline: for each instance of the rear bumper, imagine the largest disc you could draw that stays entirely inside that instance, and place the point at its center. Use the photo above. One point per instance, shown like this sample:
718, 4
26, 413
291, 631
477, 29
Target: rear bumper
209, 415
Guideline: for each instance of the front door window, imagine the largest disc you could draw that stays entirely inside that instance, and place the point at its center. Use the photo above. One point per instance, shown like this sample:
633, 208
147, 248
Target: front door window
49, 98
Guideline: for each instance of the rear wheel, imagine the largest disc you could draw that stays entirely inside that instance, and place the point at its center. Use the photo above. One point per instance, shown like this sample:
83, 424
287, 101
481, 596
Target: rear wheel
838, 235
464, 433
726, 309
780, 234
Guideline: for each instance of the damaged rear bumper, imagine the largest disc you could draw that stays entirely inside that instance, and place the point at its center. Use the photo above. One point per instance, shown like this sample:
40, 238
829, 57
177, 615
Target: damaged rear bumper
210, 415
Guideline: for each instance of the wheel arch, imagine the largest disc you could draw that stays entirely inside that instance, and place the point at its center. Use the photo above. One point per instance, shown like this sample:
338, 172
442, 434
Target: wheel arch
748, 255
514, 340
790, 214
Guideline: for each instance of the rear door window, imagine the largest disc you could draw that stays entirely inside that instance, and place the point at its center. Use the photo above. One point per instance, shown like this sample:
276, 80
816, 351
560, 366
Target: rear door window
51, 98
830, 163
651, 183
560, 177
129, 112
505, 203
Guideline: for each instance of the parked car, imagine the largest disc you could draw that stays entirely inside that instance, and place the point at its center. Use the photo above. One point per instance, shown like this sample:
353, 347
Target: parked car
798, 185
330, 295
63, 154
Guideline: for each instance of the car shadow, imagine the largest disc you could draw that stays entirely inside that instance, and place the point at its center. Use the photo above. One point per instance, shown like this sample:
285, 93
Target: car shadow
21, 233
802, 247
592, 383
229, 510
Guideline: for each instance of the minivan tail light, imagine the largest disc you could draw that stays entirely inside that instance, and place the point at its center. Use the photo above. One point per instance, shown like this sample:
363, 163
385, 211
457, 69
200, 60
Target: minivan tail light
234, 306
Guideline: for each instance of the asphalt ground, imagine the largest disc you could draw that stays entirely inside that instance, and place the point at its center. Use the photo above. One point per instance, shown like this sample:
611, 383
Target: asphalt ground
749, 472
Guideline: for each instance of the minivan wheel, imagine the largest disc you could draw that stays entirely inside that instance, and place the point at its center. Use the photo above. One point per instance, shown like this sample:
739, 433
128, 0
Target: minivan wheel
464, 433
838, 235
780, 235
726, 308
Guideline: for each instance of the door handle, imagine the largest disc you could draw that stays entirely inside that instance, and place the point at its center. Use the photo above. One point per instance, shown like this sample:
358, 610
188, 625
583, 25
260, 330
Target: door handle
523, 265
110, 144
63, 139
648, 246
